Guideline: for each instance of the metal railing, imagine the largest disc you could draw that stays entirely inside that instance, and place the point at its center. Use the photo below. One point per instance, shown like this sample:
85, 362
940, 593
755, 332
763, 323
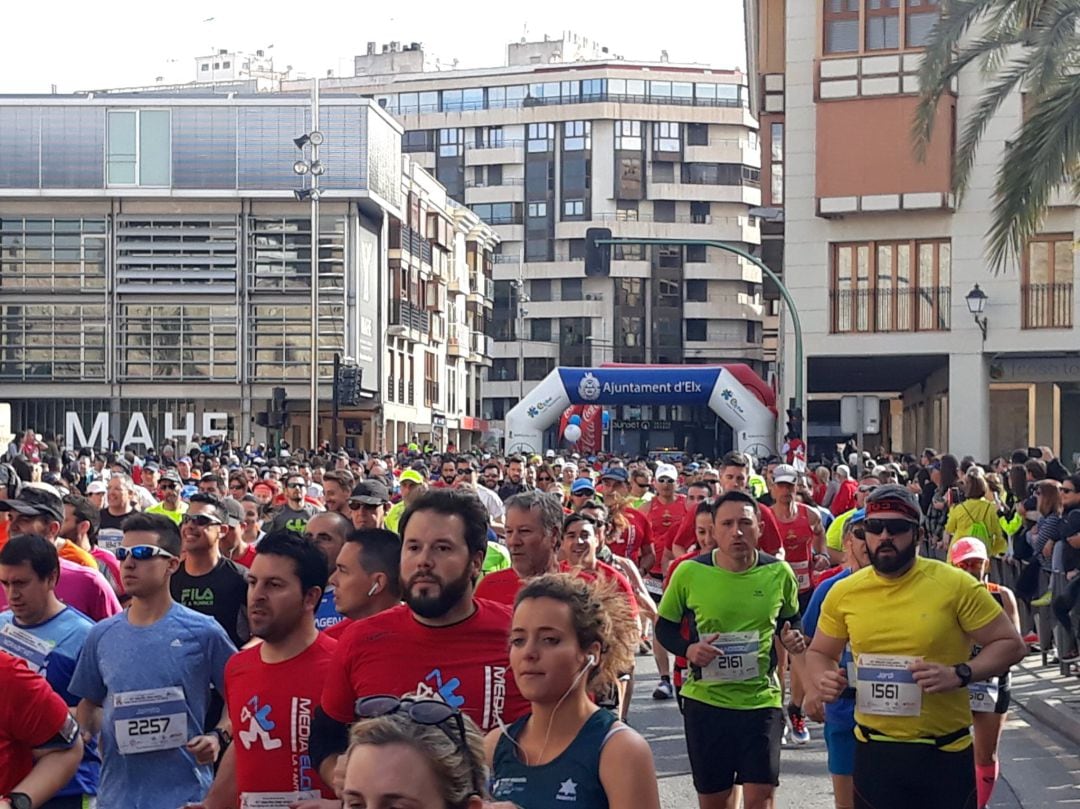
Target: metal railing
505, 144
679, 219
1047, 306
890, 310
583, 98
507, 181
405, 314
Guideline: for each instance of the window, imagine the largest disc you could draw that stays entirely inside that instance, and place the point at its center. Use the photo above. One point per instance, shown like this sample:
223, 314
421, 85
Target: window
226, 65
697, 134
140, 148
628, 252
628, 292
626, 210
663, 210
697, 290
537, 209
922, 15
489, 137
696, 253
498, 213
720, 174
841, 26
431, 379
204, 67
52, 341
42, 255
628, 136
593, 89
893, 286
572, 289
776, 164
217, 65
663, 172
667, 137
503, 370
540, 289
577, 249
577, 136
418, 140
882, 25
541, 137
700, 212
1046, 291
540, 329
697, 330
495, 175
573, 208
451, 142
177, 342
538, 367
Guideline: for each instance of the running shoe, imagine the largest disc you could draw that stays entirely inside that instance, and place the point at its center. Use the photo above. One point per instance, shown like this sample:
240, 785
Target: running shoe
1043, 600
1031, 639
1071, 657
799, 732
664, 690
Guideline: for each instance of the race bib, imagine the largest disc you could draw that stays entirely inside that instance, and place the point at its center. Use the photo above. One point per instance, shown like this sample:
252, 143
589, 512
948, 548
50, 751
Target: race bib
885, 687
738, 658
802, 574
146, 721
983, 696
654, 586
276, 800
26, 646
110, 538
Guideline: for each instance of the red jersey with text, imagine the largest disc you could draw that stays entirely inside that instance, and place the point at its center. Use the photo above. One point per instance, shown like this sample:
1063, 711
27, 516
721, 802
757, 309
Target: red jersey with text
271, 706
664, 521
635, 536
504, 585
798, 539
31, 713
467, 664
769, 541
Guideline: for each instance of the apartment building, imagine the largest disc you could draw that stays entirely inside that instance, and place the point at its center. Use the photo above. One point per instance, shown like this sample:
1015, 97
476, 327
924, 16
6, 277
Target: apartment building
567, 136
156, 272
880, 256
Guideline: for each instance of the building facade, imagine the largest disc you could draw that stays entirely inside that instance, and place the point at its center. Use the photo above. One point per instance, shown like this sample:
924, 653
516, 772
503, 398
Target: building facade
155, 265
880, 256
568, 137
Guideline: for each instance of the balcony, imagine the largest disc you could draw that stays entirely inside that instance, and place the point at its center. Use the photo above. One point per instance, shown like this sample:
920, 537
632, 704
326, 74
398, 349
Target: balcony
508, 151
438, 328
482, 348
403, 315
1046, 306
888, 310
459, 342
511, 189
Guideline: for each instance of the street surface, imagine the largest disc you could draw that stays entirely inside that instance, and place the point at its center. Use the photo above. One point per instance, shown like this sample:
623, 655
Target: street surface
1040, 769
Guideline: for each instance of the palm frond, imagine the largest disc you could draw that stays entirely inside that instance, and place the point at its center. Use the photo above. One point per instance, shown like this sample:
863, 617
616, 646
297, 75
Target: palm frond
1055, 44
975, 125
1044, 155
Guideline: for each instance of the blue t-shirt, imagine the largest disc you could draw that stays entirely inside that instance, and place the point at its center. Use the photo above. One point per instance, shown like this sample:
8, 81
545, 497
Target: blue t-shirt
842, 712
326, 615
184, 649
65, 632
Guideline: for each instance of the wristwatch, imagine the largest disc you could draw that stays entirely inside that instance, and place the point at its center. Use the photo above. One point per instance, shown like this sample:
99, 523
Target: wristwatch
19, 800
963, 671
223, 736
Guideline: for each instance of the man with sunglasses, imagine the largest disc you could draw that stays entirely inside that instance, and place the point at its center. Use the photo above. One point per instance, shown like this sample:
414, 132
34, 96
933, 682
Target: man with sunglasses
368, 504
294, 513
168, 490
910, 623
834, 534
144, 678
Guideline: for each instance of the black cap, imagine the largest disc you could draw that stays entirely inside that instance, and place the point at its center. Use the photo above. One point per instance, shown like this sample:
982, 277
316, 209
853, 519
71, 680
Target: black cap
370, 492
35, 500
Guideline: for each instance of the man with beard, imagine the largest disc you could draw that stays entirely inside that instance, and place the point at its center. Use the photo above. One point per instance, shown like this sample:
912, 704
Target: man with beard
515, 478
910, 623
272, 689
441, 641
337, 485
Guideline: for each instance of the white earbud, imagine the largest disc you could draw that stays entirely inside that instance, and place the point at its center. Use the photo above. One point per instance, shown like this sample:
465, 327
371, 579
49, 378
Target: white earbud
591, 661
374, 589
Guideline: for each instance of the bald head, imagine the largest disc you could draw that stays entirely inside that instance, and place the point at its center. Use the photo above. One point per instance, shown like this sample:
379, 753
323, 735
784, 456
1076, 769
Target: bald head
327, 531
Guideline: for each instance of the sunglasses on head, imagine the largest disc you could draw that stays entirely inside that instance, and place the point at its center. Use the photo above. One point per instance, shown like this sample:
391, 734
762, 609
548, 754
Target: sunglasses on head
142, 552
895, 527
200, 520
430, 712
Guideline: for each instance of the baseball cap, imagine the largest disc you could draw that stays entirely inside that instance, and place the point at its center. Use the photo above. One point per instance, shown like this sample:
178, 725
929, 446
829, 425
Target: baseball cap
235, 511
785, 474
168, 475
615, 473
893, 499
856, 517
549, 454
151, 467
581, 485
666, 470
411, 476
370, 492
96, 487
967, 548
36, 500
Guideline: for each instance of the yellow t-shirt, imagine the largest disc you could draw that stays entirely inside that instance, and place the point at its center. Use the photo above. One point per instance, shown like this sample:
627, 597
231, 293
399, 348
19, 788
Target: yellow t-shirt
964, 515
927, 613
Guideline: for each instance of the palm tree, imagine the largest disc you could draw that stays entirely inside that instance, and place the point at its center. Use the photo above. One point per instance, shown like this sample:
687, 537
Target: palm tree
1027, 45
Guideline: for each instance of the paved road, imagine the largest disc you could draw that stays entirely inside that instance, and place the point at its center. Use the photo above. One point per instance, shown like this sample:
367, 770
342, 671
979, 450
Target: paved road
1041, 770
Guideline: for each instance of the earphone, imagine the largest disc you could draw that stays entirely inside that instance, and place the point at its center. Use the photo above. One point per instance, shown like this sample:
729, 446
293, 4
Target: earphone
591, 661
374, 589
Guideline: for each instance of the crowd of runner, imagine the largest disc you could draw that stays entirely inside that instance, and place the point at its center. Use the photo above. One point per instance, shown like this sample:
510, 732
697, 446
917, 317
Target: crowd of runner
220, 626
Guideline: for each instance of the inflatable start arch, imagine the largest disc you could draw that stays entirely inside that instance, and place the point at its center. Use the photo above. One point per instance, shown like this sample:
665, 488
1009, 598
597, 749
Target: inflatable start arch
734, 392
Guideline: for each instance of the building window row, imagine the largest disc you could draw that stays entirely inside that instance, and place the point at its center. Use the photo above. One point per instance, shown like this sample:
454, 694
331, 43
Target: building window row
168, 342
854, 26
52, 342
40, 254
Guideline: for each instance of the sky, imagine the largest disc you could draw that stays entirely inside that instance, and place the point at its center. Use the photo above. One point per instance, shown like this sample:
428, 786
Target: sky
116, 43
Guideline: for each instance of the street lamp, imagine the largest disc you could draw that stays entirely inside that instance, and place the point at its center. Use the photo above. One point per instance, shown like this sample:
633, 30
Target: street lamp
313, 166
976, 304
522, 298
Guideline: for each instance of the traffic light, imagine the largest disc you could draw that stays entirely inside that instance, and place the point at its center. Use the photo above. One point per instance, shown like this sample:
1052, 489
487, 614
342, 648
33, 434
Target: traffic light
347, 385
794, 422
597, 256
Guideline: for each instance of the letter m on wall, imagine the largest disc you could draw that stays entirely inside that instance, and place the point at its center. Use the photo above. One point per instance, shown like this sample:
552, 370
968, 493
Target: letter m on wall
75, 437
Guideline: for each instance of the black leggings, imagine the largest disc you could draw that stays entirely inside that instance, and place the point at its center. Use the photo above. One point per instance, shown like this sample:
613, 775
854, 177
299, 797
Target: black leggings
1063, 605
899, 775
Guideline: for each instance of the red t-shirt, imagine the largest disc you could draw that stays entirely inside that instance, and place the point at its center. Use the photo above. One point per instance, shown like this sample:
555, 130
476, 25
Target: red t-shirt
798, 539
271, 706
844, 499
247, 557
768, 542
466, 664
504, 585
31, 713
664, 521
336, 631
634, 538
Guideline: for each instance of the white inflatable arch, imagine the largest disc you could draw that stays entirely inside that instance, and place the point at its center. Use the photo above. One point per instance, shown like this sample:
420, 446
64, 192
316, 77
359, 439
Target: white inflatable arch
718, 386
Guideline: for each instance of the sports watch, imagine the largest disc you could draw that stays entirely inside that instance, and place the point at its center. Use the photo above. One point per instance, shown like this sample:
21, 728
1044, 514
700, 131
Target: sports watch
963, 671
19, 800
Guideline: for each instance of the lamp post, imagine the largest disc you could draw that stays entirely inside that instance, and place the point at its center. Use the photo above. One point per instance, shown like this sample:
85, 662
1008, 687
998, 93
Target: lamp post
314, 167
976, 303
522, 299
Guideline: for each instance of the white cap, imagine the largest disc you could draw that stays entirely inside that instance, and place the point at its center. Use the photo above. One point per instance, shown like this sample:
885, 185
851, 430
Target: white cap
785, 474
666, 470
96, 487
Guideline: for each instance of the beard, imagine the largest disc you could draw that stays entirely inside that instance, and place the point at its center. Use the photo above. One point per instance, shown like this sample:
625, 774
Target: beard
892, 563
436, 606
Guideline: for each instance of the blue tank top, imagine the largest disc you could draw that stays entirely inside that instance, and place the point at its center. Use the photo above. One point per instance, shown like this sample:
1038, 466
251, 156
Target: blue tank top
569, 781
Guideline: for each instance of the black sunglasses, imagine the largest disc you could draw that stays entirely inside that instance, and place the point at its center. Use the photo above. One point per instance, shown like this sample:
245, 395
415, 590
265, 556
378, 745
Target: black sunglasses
201, 520
166, 484
296, 484
423, 712
895, 527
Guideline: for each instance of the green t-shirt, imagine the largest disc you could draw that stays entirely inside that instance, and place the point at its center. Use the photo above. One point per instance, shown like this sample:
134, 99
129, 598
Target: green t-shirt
496, 558
747, 604
175, 516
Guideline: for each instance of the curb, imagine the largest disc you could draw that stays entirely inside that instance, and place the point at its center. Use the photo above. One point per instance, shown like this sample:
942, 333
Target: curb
1053, 713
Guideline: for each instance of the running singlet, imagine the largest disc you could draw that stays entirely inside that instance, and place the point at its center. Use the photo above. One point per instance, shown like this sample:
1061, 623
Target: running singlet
271, 706
466, 665
798, 539
504, 585
664, 520
572, 778
928, 613
769, 541
737, 613
634, 537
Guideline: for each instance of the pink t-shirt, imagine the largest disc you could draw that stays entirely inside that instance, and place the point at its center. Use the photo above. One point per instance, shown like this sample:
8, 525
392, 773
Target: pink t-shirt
110, 567
84, 589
